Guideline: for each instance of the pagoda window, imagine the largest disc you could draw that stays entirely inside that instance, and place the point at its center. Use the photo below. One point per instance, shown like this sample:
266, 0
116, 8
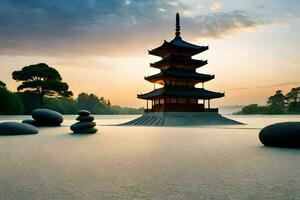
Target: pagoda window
166, 55
181, 100
184, 67
165, 67
181, 54
181, 84
193, 101
173, 100
162, 101
167, 82
156, 101
200, 101
190, 85
172, 83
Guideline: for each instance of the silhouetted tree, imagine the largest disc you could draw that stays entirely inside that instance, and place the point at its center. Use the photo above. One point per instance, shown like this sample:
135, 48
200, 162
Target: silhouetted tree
108, 102
253, 109
2, 85
30, 101
293, 95
62, 105
277, 100
10, 103
94, 104
102, 99
82, 101
42, 80
276, 103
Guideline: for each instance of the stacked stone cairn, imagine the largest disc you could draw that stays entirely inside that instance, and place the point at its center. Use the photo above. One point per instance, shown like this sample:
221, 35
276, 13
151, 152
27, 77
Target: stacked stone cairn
85, 124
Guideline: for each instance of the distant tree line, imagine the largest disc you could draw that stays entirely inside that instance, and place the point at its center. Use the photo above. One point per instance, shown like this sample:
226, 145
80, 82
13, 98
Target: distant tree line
277, 104
41, 86
10, 103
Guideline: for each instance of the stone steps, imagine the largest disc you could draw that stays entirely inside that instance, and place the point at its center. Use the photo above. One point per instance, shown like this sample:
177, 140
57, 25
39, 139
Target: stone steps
141, 121
133, 122
147, 121
181, 119
161, 121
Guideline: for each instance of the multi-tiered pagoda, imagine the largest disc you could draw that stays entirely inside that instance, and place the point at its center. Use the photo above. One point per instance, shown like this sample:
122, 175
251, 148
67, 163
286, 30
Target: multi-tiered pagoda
178, 77
178, 102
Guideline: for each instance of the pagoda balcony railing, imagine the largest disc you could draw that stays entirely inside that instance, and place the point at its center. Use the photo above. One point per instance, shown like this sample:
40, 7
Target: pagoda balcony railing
182, 107
211, 110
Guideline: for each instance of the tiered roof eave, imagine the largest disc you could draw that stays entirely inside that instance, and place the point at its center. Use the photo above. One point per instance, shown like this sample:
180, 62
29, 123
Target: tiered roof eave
199, 93
179, 60
197, 77
177, 44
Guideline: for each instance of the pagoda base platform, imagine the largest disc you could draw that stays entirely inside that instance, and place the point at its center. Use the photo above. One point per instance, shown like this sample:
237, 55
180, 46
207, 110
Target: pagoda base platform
181, 119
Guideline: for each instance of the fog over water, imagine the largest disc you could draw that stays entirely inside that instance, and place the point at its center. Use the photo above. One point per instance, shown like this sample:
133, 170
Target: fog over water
218, 162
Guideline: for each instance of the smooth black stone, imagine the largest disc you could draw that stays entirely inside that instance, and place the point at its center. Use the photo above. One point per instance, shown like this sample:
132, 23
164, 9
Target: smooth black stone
16, 128
38, 124
46, 117
286, 134
86, 131
85, 118
84, 113
82, 125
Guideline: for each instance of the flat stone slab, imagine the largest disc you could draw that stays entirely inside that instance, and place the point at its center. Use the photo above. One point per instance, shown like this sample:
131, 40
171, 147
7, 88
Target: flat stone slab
84, 113
85, 118
82, 126
46, 117
181, 119
16, 128
86, 131
285, 134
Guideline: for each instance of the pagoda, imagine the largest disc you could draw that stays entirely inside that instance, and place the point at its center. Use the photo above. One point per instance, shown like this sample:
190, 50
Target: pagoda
178, 101
178, 77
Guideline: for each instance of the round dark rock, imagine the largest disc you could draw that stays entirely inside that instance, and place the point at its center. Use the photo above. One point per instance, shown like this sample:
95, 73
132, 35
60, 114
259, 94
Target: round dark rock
16, 128
84, 113
286, 134
85, 118
46, 117
86, 131
82, 125
30, 121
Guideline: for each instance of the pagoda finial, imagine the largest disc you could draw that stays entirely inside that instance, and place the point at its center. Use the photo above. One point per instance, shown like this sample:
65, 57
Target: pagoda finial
177, 30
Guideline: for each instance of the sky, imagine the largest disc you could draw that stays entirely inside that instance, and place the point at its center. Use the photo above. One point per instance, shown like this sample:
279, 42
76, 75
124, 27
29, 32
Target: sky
100, 46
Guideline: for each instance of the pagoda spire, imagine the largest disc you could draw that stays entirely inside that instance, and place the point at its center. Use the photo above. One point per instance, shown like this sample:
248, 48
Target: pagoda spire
177, 29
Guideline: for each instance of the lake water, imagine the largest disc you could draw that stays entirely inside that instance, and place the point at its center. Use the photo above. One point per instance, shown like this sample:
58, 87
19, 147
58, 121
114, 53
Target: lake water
219, 162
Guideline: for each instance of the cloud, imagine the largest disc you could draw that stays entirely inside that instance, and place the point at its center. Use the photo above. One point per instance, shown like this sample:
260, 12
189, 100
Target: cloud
292, 83
280, 84
223, 23
240, 88
215, 6
107, 27
288, 63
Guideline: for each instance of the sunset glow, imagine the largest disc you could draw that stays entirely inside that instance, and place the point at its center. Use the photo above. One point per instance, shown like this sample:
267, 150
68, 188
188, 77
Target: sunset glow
102, 47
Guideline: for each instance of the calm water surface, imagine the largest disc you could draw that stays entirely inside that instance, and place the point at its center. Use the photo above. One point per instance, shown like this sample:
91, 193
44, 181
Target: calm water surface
220, 162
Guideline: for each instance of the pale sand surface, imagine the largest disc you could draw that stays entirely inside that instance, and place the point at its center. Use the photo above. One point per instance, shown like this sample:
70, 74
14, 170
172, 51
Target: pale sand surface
148, 163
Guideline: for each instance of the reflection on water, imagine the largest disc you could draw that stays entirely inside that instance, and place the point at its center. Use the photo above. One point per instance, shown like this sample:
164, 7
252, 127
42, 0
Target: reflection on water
148, 162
